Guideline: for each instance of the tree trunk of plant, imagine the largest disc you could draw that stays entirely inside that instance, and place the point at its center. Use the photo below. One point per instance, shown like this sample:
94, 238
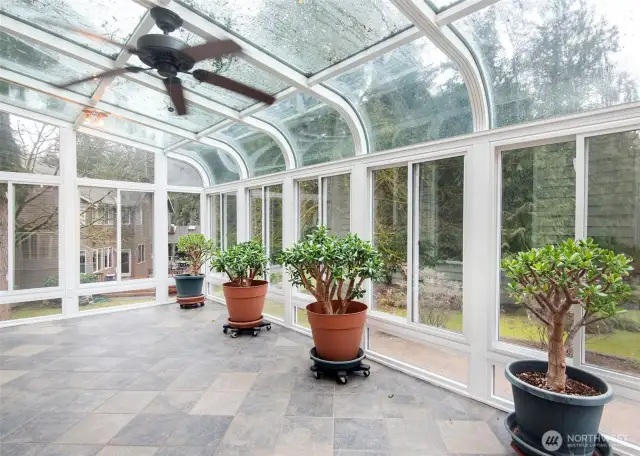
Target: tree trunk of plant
557, 370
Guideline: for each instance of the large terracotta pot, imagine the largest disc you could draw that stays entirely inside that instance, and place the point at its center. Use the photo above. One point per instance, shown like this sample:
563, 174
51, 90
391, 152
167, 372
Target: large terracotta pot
337, 337
245, 303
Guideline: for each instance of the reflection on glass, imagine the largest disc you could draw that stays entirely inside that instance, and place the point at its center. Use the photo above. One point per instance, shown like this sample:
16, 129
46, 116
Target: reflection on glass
219, 164
103, 159
336, 204
439, 210
255, 214
136, 235
410, 95
230, 219
308, 35
33, 100
437, 359
121, 298
28, 146
36, 236
184, 218
182, 174
538, 208
274, 307
119, 126
4, 238
98, 234
301, 318
390, 207
216, 220
308, 210
274, 232
30, 309
544, 58
613, 221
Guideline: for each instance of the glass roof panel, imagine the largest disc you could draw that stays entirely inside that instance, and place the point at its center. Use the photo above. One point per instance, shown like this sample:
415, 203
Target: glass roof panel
44, 64
113, 19
234, 68
33, 100
220, 166
546, 58
259, 151
307, 34
318, 132
151, 103
182, 174
131, 130
410, 95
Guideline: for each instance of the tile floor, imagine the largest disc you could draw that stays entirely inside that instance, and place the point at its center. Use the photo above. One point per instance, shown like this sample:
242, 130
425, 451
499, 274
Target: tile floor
167, 382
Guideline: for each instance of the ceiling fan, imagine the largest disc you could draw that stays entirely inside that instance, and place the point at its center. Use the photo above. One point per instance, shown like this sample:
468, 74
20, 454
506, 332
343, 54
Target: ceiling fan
169, 56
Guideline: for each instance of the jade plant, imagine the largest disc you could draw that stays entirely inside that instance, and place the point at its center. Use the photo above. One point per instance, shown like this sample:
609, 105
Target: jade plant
242, 263
196, 250
549, 281
331, 268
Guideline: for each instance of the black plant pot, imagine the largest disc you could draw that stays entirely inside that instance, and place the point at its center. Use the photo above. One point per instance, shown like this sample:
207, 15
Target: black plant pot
558, 424
188, 285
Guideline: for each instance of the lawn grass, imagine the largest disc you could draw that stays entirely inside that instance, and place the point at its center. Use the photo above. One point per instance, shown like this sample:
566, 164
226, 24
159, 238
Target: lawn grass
30, 312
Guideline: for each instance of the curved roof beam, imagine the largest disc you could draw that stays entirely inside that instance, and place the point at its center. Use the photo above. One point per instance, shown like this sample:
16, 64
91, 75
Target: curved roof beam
237, 157
207, 180
418, 12
264, 61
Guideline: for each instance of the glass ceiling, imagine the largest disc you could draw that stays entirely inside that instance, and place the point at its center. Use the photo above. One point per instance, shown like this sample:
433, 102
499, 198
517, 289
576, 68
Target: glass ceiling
537, 58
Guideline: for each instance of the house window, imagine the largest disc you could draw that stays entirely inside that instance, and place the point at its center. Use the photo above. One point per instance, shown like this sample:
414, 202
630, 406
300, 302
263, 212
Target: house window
95, 260
107, 258
139, 218
126, 216
83, 262
141, 253
110, 215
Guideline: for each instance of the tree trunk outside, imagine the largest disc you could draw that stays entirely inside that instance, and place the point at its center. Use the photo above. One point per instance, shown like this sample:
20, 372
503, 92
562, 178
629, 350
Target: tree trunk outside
5, 310
557, 370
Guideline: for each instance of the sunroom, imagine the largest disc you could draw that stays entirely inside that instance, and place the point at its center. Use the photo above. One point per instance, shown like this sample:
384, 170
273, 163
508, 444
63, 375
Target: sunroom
448, 133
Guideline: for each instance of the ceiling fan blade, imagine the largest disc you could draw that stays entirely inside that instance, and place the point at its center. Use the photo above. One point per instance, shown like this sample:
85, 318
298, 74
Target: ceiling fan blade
176, 93
106, 74
212, 50
234, 86
90, 35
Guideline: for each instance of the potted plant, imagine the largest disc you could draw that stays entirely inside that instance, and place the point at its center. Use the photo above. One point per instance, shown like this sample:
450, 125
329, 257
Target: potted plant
244, 293
566, 287
333, 269
196, 249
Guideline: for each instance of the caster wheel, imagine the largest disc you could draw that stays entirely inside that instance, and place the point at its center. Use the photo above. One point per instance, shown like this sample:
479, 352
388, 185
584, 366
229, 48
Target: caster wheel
366, 373
255, 334
234, 335
225, 330
342, 380
182, 306
268, 327
316, 374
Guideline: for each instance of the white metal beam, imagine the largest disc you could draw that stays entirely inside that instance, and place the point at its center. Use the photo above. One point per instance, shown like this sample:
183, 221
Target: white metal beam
461, 10
418, 12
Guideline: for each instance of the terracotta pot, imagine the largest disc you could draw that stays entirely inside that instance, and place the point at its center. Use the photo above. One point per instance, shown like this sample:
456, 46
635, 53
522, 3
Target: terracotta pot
337, 337
245, 303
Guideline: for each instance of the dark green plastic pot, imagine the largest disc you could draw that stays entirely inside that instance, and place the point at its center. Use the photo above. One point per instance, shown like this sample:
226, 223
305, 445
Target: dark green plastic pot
542, 414
188, 285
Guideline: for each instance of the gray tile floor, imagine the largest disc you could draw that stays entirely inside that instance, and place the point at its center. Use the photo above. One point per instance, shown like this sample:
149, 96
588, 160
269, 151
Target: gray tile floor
167, 382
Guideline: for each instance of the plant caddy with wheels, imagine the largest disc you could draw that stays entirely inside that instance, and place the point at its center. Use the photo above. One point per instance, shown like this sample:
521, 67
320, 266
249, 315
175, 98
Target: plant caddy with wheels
567, 286
196, 249
244, 293
333, 269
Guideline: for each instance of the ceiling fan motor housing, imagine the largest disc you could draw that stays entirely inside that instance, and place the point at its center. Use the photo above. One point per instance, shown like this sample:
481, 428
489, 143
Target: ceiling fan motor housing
165, 54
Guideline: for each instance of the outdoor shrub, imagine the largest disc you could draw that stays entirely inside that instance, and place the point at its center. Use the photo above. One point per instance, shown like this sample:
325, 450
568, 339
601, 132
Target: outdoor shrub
332, 268
242, 263
437, 297
196, 249
550, 280
89, 278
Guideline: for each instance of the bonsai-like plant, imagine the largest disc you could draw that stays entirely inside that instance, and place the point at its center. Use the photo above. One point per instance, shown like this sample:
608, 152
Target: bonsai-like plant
196, 249
548, 281
242, 263
332, 268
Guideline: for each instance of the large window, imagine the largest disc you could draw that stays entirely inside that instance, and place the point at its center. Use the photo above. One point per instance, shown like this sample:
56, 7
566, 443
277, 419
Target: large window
308, 209
4, 237
255, 214
613, 221
28, 146
273, 195
184, 218
390, 206
336, 213
437, 248
136, 237
36, 236
537, 208
98, 232
230, 219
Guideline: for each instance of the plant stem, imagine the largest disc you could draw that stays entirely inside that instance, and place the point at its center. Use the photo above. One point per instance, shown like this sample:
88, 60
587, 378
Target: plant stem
557, 369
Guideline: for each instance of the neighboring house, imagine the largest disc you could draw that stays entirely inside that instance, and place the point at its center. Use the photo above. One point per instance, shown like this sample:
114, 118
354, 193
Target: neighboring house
177, 230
